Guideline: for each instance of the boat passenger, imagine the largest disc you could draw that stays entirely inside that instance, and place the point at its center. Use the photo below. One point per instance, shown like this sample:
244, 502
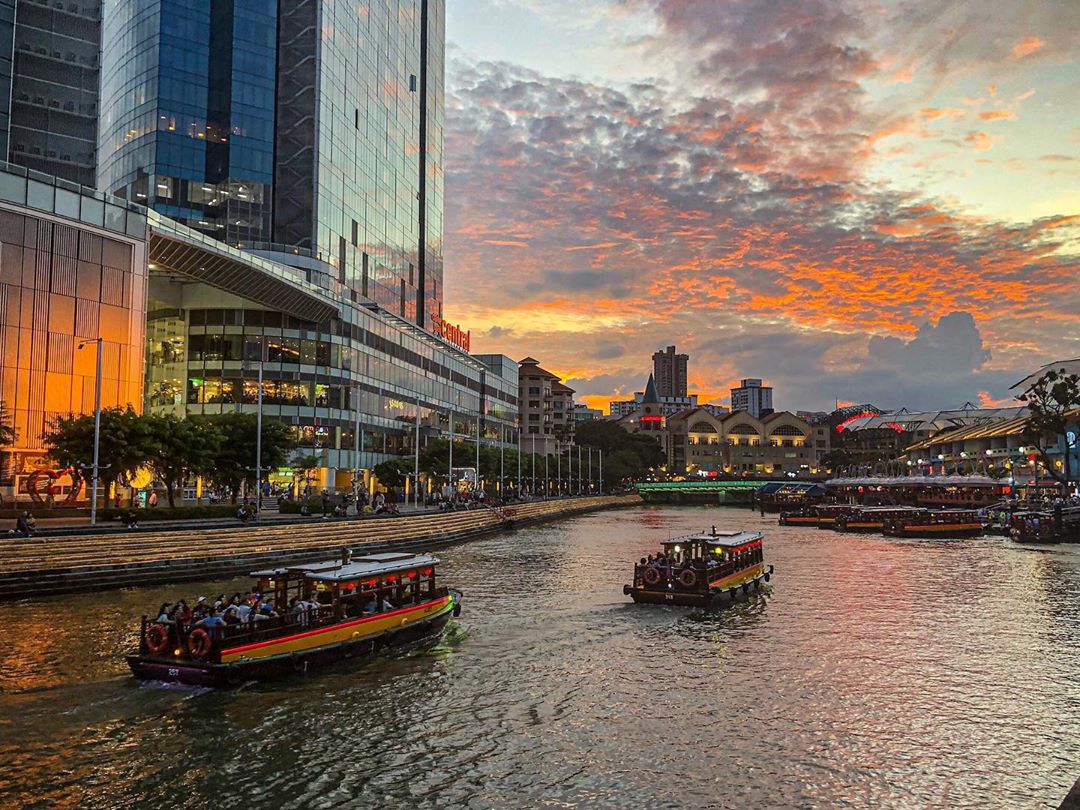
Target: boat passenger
184, 613
213, 620
164, 612
230, 617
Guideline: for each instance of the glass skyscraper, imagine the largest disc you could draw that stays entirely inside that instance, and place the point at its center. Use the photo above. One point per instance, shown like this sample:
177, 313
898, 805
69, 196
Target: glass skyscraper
308, 128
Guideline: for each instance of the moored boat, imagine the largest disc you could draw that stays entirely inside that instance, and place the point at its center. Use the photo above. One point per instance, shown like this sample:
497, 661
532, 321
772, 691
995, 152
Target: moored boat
872, 518
1032, 527
799, 517
335, 610
948, 523
700, 570
827, 514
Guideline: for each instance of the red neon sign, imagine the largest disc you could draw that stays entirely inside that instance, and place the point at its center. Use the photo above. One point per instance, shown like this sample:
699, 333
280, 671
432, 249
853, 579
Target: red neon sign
855, 418
451, 333
652, 419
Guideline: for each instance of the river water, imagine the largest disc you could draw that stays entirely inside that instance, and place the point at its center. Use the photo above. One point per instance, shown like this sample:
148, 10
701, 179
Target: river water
874, 673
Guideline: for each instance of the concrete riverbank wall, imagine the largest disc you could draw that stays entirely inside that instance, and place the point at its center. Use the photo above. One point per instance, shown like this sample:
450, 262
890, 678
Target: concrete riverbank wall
43, 566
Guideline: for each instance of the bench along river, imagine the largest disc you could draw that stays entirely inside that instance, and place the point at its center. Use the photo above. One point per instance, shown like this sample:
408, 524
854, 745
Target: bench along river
874, 673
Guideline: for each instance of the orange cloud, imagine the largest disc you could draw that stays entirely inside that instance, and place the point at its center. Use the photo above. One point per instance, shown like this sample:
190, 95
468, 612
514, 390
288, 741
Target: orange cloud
942, 112
904, 75
1027, 45
991, 89
505, 243
599, 246
980, 140
997, 115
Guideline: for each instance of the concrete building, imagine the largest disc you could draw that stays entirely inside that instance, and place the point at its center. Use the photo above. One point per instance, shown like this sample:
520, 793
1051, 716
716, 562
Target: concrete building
669, 372
668, 405
547, 407
753, 398
738, 443
583, 413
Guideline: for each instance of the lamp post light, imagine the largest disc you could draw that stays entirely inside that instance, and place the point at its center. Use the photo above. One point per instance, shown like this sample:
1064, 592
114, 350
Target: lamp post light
502, 463
97, 430
450, 474
519, 459
358, 444
478, 452
579, 469
558, 470
532, 482
600, 452
416, 457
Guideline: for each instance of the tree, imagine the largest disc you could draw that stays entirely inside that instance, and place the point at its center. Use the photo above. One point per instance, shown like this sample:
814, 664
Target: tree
393, 473
178, 449
232, 457
8, 434
304, 468
627, 456
1049, 401
123, 448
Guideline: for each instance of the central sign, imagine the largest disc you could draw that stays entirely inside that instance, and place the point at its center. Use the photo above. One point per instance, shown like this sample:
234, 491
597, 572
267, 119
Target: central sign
451, 333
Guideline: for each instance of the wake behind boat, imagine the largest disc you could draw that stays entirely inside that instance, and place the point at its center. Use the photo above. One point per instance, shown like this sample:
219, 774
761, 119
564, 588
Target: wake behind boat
297, 617
699, 570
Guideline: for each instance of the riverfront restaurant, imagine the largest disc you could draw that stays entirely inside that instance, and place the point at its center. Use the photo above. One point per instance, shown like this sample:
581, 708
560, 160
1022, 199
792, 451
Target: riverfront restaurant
187, 323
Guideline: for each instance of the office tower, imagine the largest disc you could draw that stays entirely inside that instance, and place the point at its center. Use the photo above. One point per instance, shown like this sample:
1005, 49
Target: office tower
299, 129
49, 85
669, 371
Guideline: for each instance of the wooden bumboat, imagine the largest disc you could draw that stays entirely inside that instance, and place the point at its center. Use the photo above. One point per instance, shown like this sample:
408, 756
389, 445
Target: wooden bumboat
936, 523
800, 517
1033, 527
701, 570
827, 514
872, 518
356, 606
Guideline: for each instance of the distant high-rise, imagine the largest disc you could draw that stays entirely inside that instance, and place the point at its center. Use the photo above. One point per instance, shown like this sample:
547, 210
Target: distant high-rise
753, 397
669, 371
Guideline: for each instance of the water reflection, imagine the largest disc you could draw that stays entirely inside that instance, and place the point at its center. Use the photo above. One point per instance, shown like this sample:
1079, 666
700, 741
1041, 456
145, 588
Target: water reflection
870, 673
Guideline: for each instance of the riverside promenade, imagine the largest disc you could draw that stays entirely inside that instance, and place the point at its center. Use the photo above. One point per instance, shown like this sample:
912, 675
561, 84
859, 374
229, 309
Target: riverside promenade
42, 566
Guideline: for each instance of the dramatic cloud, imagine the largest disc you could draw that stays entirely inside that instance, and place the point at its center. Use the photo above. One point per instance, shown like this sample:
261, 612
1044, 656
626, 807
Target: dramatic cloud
738, 216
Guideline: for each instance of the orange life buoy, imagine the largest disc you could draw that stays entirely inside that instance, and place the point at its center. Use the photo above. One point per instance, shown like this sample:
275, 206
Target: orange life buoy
651, 576
688, 578
199, 643
157, 639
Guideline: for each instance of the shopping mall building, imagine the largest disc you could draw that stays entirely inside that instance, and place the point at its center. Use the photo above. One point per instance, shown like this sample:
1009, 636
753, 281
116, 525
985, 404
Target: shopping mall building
269, 199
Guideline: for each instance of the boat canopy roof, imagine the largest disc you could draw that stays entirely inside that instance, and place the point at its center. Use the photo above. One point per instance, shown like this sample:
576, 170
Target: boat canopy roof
357, 568
373, 565
725, 539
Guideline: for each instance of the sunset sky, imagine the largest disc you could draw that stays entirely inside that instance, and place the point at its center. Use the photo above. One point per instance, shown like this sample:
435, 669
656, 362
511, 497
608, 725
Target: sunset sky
865, 201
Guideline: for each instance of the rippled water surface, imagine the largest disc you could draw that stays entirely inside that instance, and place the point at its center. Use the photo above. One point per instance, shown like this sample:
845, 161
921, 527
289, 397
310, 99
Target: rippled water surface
875, 673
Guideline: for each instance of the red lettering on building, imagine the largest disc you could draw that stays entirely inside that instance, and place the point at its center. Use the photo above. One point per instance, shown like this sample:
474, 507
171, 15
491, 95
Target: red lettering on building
451, 333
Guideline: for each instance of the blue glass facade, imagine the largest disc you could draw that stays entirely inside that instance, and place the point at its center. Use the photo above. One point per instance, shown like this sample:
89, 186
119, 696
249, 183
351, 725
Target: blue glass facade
310, 124
187, 119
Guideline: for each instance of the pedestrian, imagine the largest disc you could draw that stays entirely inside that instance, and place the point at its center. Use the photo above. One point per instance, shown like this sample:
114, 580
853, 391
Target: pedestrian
24, 524
152, 500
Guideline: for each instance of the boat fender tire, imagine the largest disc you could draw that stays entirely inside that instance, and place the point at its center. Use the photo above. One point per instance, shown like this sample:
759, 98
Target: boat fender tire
651, 576
841, 524
233, 676
199, 643
157, 639
746, 587
299, 665
688, 578
625, 590
457, 609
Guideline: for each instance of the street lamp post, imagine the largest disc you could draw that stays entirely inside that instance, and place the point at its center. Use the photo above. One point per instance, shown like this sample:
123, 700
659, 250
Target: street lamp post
579, 469
590, 467
502, 463
450, 474
519, 460
97, 430
258, 443
601, 454
547, 479
358, 443
558, 470
416, 456
478, 452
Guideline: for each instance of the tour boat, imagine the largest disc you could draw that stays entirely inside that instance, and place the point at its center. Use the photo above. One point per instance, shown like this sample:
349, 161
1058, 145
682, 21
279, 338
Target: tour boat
936, 523
699, 570
346, 608
1032, 527
800, 517
828, 513
872, 518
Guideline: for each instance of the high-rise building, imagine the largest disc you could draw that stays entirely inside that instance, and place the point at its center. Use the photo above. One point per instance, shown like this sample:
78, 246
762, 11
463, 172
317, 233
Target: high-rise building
300, 129
753, 398
49, 58
669, 371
